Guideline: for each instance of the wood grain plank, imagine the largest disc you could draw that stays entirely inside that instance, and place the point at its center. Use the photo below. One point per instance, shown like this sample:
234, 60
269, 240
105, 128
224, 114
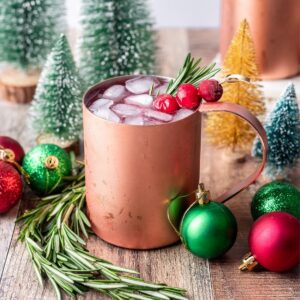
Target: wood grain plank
172, 265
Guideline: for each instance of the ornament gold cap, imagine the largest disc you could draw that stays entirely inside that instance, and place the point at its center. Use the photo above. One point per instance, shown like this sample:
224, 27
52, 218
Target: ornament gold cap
249, 263
51, 162
202, 195
6, 154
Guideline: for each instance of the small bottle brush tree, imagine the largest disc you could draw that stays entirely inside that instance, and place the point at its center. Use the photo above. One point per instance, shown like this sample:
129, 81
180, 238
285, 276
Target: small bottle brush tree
227, 130
56, 109
283, 131
117, 39
28, 30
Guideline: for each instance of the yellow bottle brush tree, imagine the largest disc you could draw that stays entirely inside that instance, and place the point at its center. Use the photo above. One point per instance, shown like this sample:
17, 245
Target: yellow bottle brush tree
227, 130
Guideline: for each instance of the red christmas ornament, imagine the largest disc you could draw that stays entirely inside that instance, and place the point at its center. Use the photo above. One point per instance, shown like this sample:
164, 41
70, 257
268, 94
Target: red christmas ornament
274, 242
11, 186
187, 96
210, 90
11, 149
166, 103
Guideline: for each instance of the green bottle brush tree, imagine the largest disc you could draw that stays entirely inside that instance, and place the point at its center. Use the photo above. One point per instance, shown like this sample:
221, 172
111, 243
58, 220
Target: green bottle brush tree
56, 110
283, 131
28, 30
117, 39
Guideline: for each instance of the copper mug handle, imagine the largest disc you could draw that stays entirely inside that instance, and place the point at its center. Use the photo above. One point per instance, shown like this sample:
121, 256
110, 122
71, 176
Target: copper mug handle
254, 122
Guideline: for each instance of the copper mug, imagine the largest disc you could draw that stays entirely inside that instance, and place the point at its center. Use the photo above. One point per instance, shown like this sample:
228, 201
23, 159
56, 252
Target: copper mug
133, 171
275, 25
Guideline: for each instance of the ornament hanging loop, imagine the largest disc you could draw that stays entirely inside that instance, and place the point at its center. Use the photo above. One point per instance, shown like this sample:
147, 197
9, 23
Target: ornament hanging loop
202, 195
6, 154
249, 263
51, 162
234, 78
231, 78
9, 156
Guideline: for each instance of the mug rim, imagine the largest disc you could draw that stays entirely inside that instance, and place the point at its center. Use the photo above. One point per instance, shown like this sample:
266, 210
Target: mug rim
95, 86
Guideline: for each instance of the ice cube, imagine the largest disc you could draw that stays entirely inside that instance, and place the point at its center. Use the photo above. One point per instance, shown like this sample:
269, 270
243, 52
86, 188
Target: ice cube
140, 100
116, 92
182, 113
161, 89
107, 114
157, 115
101, 103
126, 110
141, 84
134, 120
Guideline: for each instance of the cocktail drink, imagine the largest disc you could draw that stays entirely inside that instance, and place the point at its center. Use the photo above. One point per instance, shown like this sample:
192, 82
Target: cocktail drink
131, 102
138, 158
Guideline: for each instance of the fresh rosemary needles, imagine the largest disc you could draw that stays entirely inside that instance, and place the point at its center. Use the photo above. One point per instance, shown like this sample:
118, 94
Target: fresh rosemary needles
52, 233
191, 72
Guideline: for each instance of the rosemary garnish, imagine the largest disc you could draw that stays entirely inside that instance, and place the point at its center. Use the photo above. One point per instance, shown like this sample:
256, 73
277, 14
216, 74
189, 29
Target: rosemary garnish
52, 233
151, 89
191, 72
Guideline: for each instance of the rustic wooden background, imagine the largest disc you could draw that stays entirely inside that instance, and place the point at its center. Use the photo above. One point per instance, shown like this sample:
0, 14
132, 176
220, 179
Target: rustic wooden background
217, 279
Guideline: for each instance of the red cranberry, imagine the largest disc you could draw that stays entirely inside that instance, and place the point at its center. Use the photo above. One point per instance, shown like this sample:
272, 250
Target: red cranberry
210, 90
187, 96
166, 103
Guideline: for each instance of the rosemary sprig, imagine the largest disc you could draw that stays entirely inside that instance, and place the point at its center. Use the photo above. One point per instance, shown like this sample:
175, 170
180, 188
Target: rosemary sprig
191, 72
52, 233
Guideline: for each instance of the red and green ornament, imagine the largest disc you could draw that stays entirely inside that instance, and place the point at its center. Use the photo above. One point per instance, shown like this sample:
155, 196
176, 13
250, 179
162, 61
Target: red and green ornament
46, 165
11, 186
274, 243
276, 196
208, 229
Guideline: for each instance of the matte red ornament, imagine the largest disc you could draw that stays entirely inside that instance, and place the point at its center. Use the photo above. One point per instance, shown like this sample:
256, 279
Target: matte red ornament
12, 149
11, 186
210, 90
274, 241
166, 103
187, 96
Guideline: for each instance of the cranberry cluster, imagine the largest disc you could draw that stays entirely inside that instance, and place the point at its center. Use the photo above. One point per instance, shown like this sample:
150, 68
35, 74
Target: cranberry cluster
188, 96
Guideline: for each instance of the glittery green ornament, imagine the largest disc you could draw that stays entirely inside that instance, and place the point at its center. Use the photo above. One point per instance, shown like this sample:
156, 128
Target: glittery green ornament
208, 229
276, 196
46, 165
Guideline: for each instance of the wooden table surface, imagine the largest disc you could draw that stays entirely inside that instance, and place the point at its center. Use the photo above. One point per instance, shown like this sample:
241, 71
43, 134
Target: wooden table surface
217, 279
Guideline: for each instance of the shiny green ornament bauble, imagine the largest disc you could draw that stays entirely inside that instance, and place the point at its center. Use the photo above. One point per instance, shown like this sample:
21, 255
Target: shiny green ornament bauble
209, 229
46, 165
276, 196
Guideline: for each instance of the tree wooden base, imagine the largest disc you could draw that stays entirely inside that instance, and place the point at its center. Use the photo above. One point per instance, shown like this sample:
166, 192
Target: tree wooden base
18, 86
17, 94
69, 146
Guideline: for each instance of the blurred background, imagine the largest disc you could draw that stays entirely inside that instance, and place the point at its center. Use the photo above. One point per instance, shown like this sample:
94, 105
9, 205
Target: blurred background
188, 13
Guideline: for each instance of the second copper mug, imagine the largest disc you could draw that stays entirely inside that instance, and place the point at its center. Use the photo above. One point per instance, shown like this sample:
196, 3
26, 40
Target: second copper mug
133, 171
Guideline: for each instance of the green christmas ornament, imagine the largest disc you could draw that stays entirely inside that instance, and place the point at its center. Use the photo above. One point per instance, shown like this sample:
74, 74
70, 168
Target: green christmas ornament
208, 229
276, 196
46, 165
